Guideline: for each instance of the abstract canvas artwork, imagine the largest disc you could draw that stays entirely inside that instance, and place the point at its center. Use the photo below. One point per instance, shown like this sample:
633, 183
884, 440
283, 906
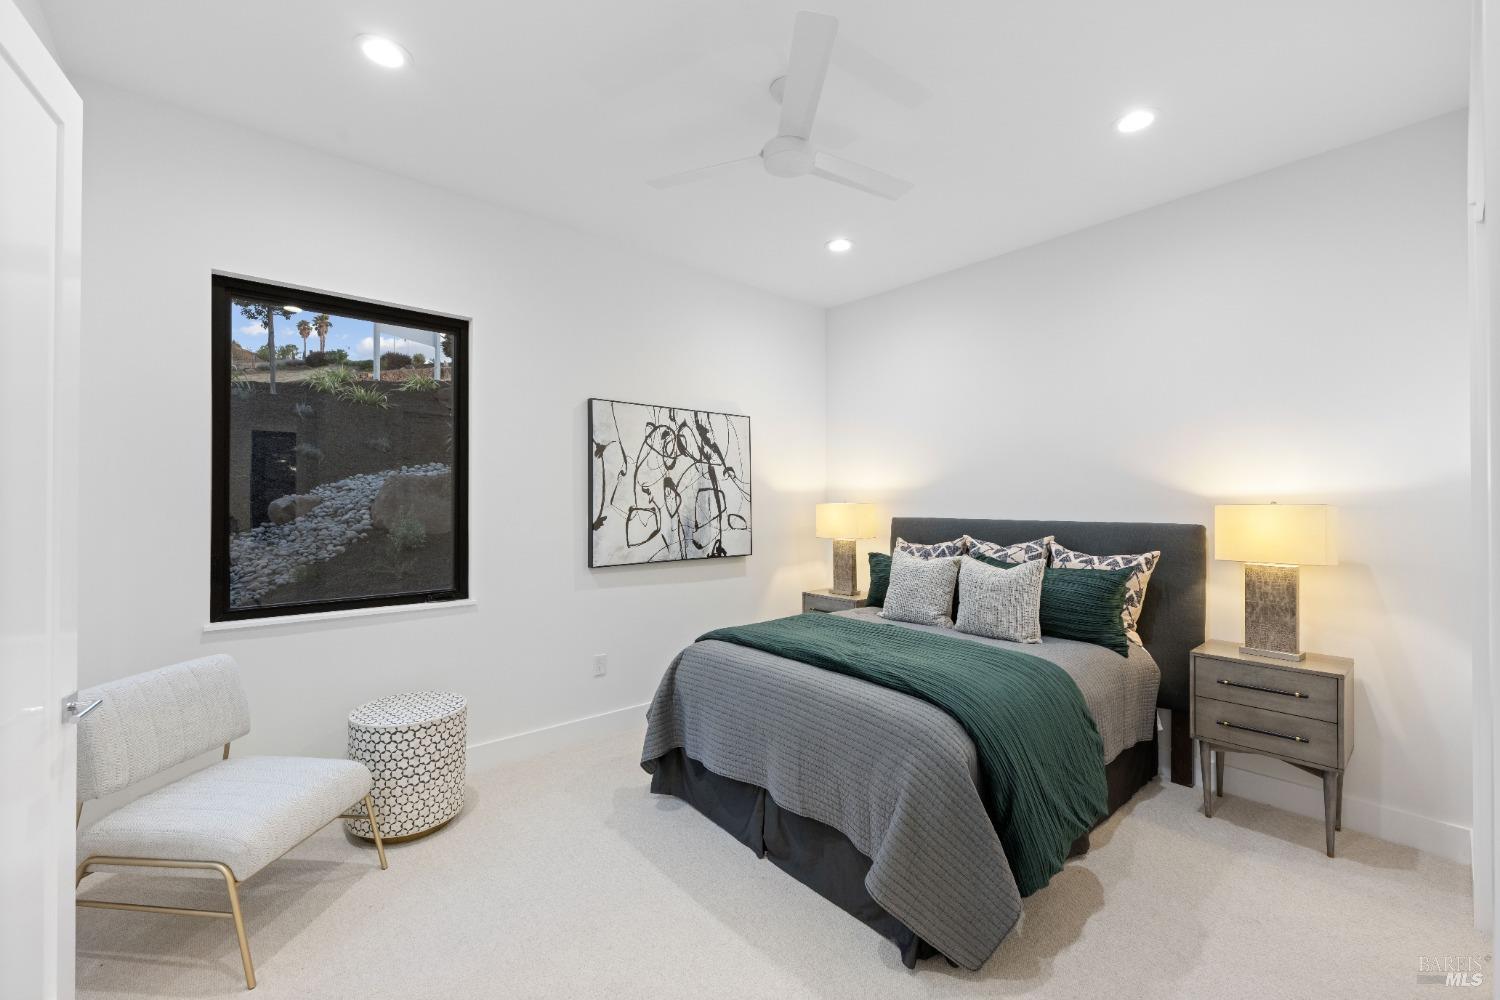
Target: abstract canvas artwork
666, 483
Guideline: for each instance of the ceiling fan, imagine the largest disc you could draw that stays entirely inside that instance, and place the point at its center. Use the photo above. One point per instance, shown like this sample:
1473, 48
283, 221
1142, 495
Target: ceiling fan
789, 153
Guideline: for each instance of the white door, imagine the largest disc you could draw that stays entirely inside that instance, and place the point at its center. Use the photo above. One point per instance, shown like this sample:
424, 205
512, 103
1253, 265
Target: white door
40, 184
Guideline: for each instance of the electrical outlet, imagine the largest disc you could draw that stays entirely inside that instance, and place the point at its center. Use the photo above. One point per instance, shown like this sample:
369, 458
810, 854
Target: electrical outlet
601, 664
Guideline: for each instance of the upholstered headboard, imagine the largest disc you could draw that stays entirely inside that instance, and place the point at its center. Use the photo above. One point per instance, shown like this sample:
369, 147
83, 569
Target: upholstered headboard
1172, 619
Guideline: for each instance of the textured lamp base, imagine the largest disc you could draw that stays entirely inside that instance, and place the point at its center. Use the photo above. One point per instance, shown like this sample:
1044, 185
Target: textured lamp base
1272, 611
843, 567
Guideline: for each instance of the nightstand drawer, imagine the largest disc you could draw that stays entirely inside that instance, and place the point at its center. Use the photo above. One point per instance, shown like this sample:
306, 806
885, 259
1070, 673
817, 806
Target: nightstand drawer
1277, 733
1295, 692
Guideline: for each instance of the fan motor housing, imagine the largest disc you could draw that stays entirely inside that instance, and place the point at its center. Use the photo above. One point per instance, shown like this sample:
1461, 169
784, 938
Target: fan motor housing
787, 156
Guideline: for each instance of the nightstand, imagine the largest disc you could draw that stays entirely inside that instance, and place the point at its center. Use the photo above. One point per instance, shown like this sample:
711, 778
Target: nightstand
827, 600
1299, 712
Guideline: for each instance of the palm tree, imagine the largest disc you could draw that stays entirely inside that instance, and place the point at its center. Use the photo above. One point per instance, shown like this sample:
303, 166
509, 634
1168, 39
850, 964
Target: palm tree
304, 330
322, 322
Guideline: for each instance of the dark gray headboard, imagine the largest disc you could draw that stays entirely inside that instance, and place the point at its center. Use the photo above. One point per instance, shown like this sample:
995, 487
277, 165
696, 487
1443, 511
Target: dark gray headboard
1172, 620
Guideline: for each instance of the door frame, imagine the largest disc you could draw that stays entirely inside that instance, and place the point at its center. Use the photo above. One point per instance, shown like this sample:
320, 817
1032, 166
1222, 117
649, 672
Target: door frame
26, 55
1484, 279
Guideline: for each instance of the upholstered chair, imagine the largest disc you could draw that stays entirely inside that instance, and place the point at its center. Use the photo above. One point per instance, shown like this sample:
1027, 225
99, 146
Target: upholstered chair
231, 818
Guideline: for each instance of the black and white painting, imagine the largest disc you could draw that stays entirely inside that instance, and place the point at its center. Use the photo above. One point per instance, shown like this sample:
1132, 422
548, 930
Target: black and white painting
666, 483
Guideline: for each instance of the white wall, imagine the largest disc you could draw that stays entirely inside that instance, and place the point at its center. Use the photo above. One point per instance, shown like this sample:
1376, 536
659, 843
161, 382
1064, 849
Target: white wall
1299, 335
37, 18
557, 318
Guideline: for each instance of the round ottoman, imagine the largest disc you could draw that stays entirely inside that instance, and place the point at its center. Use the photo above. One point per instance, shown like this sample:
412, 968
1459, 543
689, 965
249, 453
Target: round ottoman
414, 745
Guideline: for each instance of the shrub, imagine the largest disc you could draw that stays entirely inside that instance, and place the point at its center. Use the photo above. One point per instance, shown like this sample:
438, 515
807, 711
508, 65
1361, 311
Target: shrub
418, 383
317, 359
405, 538
365, 395
391, 360
407, 533
330, 380
419, 360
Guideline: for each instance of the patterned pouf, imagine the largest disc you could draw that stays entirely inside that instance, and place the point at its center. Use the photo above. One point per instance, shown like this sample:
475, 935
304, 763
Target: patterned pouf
414, 745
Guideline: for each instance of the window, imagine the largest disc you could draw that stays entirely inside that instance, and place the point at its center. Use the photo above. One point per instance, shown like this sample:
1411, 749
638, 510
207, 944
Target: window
339, 455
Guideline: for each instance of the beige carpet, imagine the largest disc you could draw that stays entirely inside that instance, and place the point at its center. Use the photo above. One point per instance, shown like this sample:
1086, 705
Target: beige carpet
565, 878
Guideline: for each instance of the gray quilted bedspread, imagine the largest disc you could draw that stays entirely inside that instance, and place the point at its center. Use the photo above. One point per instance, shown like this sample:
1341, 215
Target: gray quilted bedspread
894, 774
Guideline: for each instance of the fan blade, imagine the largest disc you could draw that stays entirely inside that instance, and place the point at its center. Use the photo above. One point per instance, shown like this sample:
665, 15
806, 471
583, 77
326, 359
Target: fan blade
702, 173
856, 175
812, 45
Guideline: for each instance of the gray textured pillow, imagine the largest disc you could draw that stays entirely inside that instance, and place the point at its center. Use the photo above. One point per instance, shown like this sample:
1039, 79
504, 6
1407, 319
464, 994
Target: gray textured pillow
1001, 603
921, 590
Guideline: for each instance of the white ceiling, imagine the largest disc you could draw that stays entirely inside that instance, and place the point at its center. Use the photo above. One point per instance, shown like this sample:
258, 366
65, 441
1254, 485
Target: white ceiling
1000, 112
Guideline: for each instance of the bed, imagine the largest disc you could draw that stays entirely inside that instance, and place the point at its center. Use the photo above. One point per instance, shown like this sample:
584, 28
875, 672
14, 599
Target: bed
870, 796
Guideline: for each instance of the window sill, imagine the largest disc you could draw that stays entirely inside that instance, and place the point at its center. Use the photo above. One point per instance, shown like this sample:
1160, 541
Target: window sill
281, 621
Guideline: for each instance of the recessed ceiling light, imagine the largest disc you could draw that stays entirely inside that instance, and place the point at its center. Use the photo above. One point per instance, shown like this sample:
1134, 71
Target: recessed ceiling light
383, 51
292, 309
840, 244
1134, 121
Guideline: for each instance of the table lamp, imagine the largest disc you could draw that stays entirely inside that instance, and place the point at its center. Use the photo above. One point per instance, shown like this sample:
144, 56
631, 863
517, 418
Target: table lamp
1273, 540
845, 522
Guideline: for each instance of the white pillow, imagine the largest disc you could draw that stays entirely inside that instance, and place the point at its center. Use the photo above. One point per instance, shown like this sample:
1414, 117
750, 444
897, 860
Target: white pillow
1001, 603
921, 590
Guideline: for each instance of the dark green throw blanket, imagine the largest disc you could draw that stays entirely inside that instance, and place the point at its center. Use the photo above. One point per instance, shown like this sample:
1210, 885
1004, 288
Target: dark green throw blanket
1041, 761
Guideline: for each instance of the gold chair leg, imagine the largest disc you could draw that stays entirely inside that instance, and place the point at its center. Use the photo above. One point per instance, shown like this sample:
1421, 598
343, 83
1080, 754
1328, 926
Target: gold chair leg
239, 928
230, 884
375, 829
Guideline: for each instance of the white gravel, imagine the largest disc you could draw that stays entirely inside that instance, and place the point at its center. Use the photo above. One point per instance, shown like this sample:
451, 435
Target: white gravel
266, 556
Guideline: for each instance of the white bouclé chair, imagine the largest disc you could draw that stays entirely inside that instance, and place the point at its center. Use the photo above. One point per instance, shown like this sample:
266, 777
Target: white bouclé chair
233, 817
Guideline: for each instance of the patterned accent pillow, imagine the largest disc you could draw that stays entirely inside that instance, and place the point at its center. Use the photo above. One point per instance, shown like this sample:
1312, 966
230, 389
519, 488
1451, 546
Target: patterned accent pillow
1018, 553
1001, 603
921, 590
1135, 588
940, 550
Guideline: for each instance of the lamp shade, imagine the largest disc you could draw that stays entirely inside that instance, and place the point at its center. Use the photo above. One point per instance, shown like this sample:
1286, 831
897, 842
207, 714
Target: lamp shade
846, 520
1292, 534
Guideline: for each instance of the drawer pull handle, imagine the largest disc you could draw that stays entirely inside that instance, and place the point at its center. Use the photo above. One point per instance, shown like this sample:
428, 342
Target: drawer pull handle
1264, 732
1258, 687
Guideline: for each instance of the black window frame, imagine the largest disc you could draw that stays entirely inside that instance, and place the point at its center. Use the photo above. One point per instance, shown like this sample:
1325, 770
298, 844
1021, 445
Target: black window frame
226, 288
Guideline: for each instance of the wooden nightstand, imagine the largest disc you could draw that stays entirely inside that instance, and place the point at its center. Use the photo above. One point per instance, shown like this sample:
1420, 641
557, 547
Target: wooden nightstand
827, 600
1298, 712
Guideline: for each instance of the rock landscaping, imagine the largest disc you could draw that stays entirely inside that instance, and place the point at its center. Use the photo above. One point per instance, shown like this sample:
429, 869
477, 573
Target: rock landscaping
329, 519
289, 508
